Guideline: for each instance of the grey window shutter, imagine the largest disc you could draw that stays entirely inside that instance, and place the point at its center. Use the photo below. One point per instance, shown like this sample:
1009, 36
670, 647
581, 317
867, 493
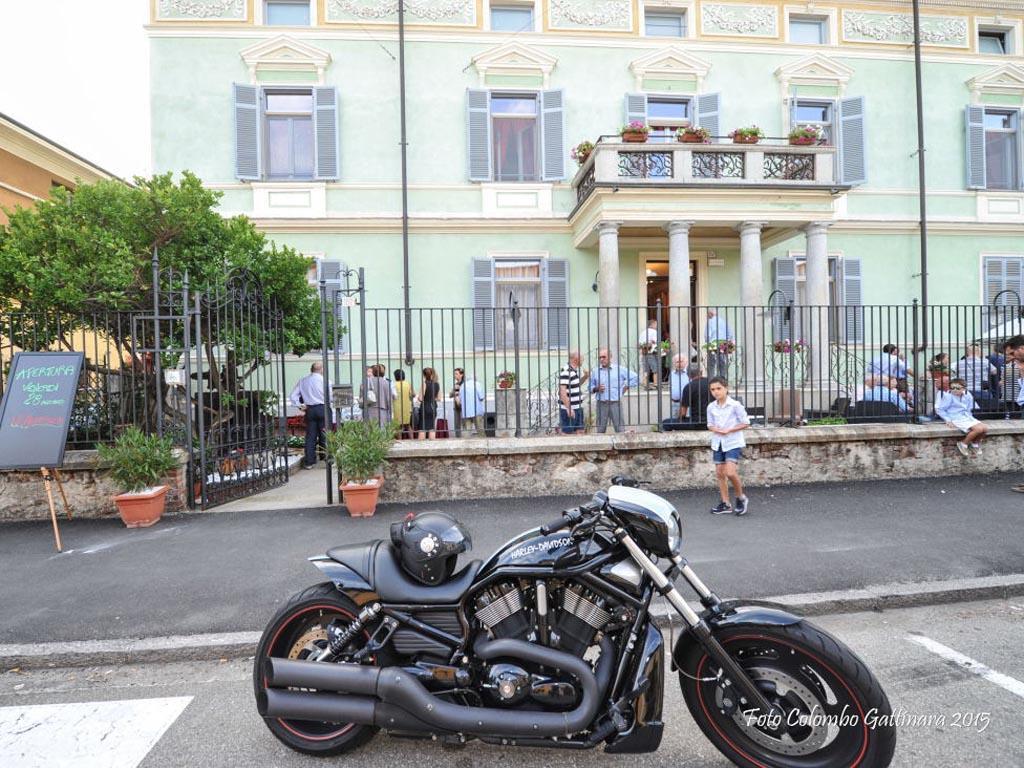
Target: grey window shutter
974, 120
852, 155
483, 304
1004, 287
333, 274
785, 284
325, 99
853, 301
552, 135
708, 107
247, 132
636, 107
556, 300
478, 133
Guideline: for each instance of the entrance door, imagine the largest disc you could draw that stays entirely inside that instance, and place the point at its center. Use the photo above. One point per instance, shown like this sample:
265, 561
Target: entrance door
657, 288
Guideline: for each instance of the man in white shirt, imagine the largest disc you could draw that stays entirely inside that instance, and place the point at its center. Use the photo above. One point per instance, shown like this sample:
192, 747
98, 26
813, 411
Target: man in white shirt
308, 396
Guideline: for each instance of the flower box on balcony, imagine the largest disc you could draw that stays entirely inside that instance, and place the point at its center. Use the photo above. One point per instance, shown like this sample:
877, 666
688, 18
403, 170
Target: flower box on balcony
691, 135
750, 135
802, 141
634, 137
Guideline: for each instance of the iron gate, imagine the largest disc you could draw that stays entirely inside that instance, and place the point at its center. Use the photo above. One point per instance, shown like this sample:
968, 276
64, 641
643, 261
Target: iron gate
218, 361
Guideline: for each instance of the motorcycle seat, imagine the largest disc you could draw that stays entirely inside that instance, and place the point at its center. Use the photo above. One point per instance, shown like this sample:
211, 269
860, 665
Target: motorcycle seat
376, 563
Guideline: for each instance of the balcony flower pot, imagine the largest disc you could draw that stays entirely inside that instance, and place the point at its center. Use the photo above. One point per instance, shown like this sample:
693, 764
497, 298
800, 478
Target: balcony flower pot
582, 151
138, 462
739, 139
802, 141
141, 509
749, 135
634, 132
360, 449
692, 135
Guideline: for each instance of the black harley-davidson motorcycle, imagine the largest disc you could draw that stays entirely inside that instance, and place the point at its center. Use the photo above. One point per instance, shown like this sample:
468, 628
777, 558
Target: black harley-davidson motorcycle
552, 643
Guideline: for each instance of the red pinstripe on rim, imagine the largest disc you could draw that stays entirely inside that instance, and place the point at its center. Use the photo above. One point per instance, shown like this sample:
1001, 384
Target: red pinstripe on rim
710, 719
270, 646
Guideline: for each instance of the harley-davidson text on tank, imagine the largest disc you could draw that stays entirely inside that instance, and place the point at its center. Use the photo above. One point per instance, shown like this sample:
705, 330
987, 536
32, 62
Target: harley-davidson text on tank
540, 546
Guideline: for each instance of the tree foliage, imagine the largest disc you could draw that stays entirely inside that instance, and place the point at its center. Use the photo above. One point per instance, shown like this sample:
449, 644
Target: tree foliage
91, 250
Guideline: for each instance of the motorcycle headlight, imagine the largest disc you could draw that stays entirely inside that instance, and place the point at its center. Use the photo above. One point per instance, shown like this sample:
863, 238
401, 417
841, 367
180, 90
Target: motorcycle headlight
675, 535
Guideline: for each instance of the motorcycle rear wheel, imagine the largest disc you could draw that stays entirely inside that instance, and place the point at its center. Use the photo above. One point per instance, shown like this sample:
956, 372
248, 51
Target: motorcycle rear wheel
836, 714
299, 631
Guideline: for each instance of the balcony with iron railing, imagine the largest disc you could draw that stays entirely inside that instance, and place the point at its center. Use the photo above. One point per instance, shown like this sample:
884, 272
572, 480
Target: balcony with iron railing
770, 163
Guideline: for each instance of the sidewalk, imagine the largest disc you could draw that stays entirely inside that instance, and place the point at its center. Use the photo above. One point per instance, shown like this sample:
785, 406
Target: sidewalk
227, 572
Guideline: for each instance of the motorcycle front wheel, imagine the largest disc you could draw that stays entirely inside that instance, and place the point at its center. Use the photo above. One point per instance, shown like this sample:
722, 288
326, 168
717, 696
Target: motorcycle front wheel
831, 711
299, 631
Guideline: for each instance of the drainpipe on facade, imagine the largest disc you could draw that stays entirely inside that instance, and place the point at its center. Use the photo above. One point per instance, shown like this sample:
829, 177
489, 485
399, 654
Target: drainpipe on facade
405, 186
922, 201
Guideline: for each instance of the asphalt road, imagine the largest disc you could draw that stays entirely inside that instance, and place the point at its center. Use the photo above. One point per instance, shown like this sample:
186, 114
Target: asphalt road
227, 572
218, 727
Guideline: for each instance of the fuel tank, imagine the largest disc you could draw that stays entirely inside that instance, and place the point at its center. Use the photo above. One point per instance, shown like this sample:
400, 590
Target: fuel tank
535, 550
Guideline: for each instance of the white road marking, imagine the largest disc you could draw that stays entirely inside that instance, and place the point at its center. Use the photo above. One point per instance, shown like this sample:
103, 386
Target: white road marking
1011, 684
96, 734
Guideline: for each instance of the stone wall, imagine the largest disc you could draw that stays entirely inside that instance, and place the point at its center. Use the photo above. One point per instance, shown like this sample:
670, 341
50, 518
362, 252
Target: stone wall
87, 485
579, 465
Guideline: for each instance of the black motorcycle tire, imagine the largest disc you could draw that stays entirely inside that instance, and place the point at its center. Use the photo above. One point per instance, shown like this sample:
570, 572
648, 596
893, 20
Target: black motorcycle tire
788, 652
301, 618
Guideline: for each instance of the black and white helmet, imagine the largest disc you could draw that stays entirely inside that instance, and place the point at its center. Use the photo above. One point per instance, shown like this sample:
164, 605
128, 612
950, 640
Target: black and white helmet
428, 545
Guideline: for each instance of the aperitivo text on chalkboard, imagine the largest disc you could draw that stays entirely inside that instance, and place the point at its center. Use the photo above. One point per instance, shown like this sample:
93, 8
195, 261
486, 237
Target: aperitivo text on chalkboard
31, 391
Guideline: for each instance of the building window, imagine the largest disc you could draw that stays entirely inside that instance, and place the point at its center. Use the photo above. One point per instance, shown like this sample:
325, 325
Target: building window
286, 13
288, 123
659, 22
518, 281
1001, 163
514, 128
820, 113
666, 115
995, 41
512, 18
808, 30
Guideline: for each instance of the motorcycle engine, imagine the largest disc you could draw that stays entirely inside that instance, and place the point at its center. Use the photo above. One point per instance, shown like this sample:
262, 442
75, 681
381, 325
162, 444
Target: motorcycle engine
505, 611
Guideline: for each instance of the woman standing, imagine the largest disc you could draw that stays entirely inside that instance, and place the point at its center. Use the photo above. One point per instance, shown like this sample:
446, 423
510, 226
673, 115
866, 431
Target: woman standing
376, 396
430, 392
403, 403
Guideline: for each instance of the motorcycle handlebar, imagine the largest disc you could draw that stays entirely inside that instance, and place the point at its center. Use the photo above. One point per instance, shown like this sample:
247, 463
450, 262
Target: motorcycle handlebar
567, 519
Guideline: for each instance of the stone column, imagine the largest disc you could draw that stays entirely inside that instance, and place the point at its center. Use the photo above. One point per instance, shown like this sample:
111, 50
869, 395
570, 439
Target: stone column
750, 333
815, 317
679, 285
608, 287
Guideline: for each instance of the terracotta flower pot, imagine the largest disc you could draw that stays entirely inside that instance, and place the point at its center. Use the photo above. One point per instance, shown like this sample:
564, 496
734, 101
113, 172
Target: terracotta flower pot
582, 158
802, 141
692, 138
361, 499
634, 137
740, 139
141, 510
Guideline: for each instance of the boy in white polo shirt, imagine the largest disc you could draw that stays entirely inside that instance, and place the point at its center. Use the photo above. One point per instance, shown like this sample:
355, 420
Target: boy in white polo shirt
726, 421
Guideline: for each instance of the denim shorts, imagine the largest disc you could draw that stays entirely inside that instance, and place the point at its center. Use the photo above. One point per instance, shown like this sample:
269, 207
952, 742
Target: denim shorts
720, 457
573, 425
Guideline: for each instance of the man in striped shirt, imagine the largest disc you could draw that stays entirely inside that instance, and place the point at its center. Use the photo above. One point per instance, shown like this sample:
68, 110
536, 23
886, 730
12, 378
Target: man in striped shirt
570, 394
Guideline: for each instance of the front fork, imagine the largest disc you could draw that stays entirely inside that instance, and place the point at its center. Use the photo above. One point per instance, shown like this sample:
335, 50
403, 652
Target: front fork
732, 673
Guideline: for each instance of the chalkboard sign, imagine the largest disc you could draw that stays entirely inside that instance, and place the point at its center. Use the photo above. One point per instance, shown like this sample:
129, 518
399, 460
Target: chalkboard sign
36, 409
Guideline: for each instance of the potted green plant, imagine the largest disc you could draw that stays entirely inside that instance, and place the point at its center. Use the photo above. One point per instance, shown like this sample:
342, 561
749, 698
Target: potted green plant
582, 151
634, 132
506, 380
805, 135
750, 135
693, 134
360, 449
138, 462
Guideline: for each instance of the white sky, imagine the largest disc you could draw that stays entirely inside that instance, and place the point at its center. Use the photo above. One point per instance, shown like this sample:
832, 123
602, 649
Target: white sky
77, 72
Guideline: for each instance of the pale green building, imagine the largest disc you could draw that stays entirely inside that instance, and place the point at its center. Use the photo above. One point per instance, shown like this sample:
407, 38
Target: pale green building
291, 109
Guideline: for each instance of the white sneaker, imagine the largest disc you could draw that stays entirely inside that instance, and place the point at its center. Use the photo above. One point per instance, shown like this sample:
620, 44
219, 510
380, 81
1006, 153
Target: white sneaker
963, 448
976, 447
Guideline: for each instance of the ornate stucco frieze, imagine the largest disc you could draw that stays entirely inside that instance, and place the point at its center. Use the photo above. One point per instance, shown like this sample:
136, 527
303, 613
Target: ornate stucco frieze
596, 14
899, 28
226, 10
739, 20
417, 11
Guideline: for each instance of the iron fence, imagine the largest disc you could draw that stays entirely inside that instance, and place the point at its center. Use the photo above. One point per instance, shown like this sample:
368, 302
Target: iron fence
788, 364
